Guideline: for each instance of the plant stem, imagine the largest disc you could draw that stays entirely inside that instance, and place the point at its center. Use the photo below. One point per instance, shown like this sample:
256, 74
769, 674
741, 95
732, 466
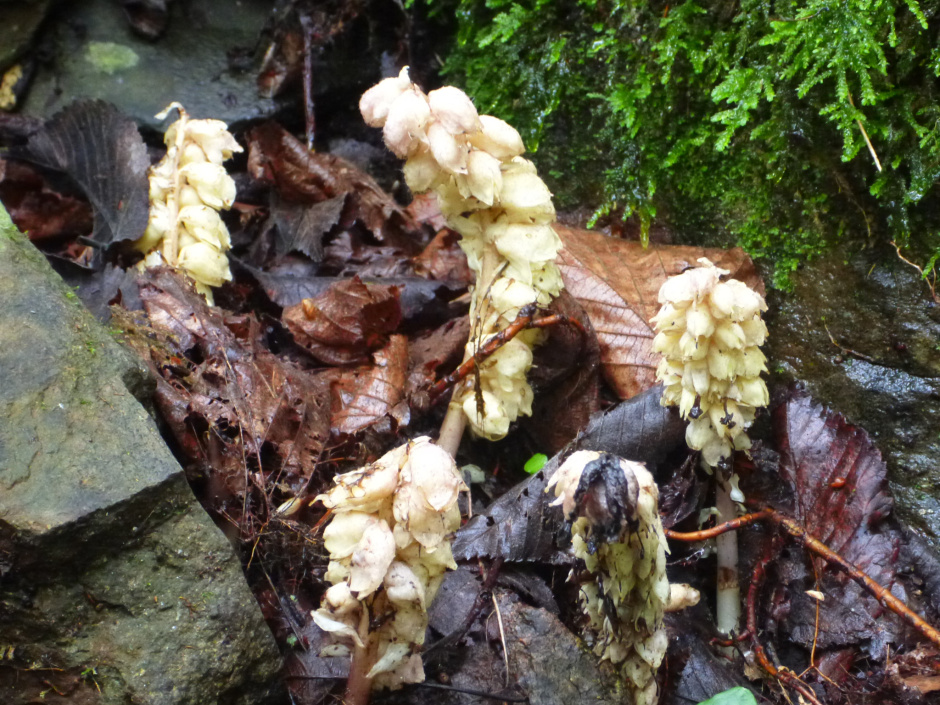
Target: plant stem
728, 600
455, 421
359, 685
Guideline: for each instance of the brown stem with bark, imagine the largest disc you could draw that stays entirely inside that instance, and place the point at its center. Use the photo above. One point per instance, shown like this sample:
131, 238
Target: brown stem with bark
793, 528
359, 685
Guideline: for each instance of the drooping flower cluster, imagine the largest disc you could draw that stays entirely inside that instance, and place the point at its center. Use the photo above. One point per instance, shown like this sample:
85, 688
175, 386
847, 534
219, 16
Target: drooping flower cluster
188, 188
709, 333
389, 546
503, 211
613, 505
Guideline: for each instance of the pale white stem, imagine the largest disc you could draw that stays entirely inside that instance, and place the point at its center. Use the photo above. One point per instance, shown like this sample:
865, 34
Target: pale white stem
728, 602
455, 421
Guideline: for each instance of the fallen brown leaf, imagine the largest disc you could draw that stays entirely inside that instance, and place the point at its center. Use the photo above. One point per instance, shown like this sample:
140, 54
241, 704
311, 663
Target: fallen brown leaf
344, 323
838, 480
617, 282
365, 396
278, 158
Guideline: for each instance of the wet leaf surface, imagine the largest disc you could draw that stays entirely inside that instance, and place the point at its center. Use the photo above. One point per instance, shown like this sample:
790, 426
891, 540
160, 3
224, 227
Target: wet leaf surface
520, 526
369, 395
617, 283
347, 321
101, 150
839, 486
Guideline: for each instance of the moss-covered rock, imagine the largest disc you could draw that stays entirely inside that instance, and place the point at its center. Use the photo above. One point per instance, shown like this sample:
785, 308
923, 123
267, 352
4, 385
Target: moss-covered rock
764, 123
111, 574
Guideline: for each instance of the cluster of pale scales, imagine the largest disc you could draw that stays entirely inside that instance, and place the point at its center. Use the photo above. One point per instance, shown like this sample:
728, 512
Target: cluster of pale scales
389, 538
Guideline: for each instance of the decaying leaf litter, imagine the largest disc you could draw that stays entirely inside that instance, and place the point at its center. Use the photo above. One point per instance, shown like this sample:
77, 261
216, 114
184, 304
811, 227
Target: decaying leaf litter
345, 309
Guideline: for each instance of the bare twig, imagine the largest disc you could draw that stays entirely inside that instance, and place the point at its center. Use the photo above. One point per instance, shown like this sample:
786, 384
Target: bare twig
930, 279
793, 528
849, 351
871, 147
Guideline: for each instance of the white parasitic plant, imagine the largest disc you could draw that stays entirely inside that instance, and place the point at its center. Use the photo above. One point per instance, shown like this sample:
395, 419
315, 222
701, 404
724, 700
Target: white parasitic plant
709, 332
389, 546
503, 211
612, 506
188, 188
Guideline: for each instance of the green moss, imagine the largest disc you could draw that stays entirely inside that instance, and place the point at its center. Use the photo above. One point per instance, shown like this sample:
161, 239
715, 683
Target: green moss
109, 57
729, 121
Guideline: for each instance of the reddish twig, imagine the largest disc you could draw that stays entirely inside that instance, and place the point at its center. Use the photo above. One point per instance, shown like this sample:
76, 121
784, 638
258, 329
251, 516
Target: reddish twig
883, 595
485, 594
784, 675
691, 536
524, 320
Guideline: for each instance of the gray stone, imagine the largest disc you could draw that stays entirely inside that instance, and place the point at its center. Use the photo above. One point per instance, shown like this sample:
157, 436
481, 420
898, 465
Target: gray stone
109, 569
20, 19
97, 55
882, 372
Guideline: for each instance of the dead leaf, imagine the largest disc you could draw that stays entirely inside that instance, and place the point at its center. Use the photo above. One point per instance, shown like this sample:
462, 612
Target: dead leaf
565, 377
365, 396
276, 157
302, 227
344, 323
617, 282
433, 351
235, 409
37, 209
443, 260
101, 150
838, 480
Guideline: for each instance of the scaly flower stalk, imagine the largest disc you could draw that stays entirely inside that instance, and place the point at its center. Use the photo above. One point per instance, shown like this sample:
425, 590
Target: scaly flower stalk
612, 505
709, 332
503, 211
389, 545
188, 188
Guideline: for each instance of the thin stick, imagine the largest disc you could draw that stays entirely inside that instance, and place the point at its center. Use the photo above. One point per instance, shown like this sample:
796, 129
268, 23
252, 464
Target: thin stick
758, 576
931, 280
823, 551
502, 637
309, 114
704, 534
880, 593
486, 589
871, 147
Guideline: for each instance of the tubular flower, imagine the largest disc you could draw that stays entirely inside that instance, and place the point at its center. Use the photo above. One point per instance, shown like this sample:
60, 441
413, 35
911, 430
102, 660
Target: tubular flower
612, 506
709, 332
187, 189
389, 546
503, 211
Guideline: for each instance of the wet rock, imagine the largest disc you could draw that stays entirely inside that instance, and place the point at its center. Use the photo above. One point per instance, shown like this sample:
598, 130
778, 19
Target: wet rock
96, 54
20, 19
883, 369
112, 576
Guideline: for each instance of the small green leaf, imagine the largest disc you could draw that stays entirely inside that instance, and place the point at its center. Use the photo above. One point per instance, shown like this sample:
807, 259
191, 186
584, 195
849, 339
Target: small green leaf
535, 463
735, 696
